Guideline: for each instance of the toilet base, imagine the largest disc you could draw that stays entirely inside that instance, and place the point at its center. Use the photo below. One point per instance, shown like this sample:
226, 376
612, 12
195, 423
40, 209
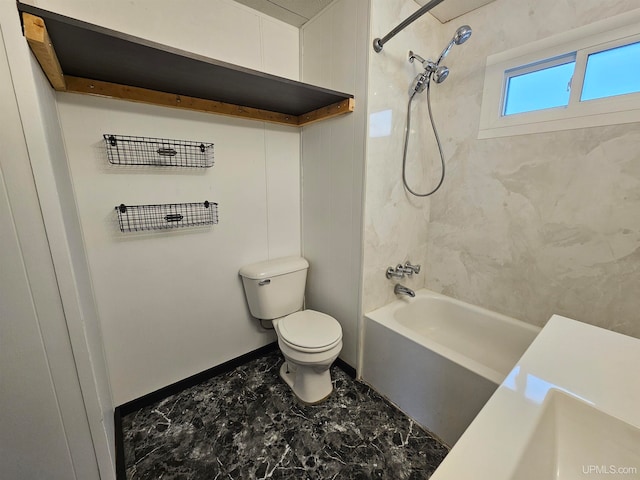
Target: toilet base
310, 385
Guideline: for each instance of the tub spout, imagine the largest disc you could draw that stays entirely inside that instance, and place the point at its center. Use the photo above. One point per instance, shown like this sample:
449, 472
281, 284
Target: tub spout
402, 290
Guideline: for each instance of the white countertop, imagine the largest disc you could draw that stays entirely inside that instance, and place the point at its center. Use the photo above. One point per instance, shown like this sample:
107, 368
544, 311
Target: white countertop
597, 366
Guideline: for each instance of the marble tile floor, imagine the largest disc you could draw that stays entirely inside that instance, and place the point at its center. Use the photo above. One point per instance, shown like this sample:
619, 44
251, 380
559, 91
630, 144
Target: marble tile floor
246, 424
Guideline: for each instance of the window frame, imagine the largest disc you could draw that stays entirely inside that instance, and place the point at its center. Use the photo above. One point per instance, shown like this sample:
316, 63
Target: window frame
602, 35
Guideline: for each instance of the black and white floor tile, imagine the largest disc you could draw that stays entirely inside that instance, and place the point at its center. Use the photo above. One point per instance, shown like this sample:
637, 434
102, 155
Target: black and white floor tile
246, 424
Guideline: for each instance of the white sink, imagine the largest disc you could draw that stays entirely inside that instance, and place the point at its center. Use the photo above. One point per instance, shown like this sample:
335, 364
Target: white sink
570, 409
574, 440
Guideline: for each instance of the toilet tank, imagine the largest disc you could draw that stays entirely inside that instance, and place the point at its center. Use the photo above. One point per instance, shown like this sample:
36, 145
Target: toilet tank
275, 288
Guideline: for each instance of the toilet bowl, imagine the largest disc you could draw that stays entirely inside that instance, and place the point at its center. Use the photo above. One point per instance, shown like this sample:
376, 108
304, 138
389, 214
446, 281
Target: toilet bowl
310, 341
309, 352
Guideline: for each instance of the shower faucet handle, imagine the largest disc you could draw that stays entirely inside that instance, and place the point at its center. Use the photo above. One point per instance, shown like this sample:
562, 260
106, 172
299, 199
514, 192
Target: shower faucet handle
411, 268
397, 272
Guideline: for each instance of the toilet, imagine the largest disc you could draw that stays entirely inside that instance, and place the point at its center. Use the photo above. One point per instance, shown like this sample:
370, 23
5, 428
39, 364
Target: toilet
310, 341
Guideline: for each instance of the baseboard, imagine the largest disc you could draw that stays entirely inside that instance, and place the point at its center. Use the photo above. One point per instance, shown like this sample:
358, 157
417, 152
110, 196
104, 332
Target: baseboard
346, 368
121, 473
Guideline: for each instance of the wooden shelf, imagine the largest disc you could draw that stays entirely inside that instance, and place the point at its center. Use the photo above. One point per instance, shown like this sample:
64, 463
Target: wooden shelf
80, 57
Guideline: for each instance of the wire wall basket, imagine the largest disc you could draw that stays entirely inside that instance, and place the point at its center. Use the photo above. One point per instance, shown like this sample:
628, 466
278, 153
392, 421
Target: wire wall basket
127, 150
137, 218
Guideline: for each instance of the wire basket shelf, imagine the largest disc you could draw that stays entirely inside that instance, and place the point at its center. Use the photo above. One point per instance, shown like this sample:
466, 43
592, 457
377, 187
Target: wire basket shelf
137, 218
128, 150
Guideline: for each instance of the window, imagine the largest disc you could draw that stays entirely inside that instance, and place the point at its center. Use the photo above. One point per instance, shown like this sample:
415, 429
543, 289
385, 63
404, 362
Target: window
586, 77
544, 85
612, 72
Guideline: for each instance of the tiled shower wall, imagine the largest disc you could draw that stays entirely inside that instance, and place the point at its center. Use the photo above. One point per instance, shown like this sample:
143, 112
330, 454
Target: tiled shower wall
537, 224
527, 225
396, 224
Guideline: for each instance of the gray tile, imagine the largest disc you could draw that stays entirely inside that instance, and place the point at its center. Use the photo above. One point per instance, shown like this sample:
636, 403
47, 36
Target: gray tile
246, 424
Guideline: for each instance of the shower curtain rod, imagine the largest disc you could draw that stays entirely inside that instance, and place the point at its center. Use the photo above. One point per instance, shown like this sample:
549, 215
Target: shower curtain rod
378, 43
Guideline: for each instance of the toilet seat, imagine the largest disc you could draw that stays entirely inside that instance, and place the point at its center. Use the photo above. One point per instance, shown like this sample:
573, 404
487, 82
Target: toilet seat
310, 331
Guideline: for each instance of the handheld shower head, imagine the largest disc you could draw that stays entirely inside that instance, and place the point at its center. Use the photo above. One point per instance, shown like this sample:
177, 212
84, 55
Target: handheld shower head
462, 35
432, 69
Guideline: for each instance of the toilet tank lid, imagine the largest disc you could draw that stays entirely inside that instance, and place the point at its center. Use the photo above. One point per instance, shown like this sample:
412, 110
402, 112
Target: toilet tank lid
273, 268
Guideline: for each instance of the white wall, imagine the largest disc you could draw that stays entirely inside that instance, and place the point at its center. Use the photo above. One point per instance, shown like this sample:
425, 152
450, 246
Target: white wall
55, 191
334, 56
73, 341
44, 427
171, 304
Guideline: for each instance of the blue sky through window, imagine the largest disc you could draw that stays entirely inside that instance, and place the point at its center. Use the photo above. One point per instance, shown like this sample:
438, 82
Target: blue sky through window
540, 89
612, 72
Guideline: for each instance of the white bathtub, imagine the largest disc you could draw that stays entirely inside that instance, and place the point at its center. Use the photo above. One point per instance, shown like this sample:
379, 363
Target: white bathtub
440, 359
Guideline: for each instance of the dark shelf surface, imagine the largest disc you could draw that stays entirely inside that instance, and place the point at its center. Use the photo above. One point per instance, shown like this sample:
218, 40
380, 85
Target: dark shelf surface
97, 53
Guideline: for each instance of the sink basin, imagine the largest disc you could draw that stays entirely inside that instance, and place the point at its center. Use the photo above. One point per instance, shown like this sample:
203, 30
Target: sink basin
574, 440
569, 410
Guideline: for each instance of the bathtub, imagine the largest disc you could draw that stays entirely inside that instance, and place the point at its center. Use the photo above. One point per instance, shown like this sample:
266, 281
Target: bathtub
439, 359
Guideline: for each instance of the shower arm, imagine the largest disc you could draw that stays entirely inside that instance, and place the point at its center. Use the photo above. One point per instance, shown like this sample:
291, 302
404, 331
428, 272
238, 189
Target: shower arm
378, 43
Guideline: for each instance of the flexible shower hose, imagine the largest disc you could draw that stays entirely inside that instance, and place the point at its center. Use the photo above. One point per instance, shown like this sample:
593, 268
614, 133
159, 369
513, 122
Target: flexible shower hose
406, 143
